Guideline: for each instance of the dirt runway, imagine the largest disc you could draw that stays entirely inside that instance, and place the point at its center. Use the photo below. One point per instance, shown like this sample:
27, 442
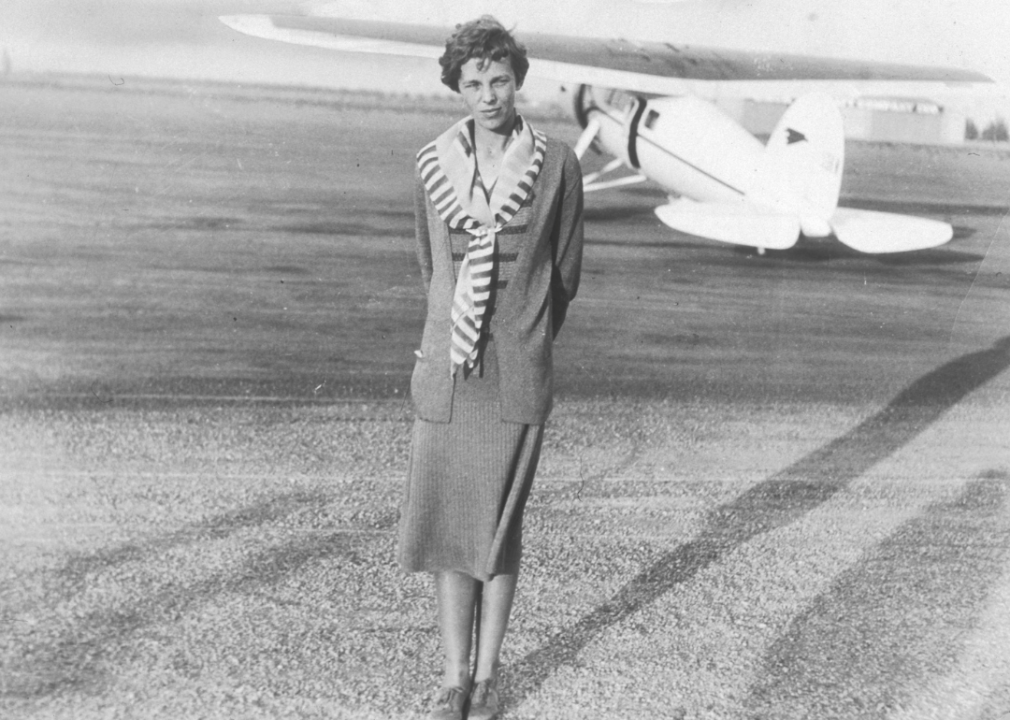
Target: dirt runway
773, 487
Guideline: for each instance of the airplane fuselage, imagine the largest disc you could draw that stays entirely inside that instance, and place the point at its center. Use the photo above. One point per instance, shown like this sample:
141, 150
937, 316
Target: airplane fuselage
686, 145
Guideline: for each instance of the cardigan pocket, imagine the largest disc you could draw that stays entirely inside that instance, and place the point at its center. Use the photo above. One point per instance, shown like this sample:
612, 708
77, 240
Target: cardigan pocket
431, 386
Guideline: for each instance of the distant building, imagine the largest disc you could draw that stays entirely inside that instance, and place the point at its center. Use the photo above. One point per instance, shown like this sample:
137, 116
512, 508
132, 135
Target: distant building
880, 119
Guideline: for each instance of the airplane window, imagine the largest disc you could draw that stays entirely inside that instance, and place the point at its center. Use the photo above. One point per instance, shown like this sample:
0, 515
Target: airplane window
619, 99
650, 118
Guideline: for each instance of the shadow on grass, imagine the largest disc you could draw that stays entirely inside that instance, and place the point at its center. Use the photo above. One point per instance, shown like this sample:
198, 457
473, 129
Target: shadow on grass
825, 250
772, 504
962, 232
904, 608
75, 657
84, 655
71, 577
80, 654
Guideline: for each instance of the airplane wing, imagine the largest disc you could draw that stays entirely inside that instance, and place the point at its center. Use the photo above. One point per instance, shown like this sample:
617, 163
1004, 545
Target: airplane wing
676, 73
645, 67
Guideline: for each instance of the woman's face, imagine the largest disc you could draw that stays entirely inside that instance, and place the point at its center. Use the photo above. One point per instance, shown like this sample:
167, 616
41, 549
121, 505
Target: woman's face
489, 90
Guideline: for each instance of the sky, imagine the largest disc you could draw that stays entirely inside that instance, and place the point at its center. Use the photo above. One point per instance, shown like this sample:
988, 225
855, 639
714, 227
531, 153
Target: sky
183, 38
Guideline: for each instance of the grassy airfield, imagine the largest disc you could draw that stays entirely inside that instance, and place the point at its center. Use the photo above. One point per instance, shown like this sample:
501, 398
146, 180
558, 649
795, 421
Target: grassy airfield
773, 487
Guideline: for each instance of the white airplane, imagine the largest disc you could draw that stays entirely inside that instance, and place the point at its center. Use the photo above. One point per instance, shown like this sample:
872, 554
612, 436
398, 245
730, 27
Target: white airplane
640, 102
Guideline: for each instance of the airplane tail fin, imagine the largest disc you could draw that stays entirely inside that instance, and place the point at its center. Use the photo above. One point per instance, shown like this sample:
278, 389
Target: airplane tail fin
803, 164
805, 155
794, 188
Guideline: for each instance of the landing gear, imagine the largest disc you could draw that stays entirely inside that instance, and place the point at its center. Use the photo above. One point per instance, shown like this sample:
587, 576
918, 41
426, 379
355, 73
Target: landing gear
592, 181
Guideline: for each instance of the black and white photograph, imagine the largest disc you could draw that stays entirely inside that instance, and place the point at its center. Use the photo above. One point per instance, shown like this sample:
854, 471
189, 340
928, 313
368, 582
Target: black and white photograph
485, 360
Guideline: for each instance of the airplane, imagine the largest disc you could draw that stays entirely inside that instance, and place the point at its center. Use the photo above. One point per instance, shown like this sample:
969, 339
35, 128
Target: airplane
642, 103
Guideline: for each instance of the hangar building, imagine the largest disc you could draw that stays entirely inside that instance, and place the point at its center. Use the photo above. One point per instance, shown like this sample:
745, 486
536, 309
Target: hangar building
880, 119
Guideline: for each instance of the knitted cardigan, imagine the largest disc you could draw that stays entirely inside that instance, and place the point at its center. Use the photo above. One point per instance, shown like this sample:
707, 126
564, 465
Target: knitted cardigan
527, 318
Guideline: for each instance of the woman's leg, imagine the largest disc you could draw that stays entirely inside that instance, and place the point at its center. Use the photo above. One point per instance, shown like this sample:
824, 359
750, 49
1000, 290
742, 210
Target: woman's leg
496, 606
456, 595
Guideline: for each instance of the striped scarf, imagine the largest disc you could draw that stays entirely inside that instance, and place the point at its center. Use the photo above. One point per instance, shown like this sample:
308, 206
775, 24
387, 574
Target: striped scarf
449, 170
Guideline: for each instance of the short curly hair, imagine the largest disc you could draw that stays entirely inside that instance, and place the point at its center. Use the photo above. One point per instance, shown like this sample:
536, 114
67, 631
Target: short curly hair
486, 39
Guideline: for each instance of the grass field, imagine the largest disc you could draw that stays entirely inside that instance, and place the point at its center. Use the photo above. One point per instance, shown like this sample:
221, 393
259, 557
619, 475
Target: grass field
772, 487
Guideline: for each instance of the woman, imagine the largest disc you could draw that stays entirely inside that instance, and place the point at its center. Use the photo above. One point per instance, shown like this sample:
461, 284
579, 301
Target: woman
499, 241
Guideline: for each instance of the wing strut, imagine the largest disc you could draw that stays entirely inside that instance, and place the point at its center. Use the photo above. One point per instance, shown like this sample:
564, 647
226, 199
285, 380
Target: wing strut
609, 167
587, 137
616, 182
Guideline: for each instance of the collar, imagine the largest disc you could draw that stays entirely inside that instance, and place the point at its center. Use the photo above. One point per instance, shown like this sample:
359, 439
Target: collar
449, 170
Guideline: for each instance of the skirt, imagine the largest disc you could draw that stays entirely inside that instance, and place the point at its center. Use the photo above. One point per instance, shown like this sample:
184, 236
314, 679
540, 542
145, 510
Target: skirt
467, 483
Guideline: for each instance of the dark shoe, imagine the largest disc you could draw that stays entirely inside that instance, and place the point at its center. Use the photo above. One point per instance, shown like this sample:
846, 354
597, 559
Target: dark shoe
449, 704
484, 700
